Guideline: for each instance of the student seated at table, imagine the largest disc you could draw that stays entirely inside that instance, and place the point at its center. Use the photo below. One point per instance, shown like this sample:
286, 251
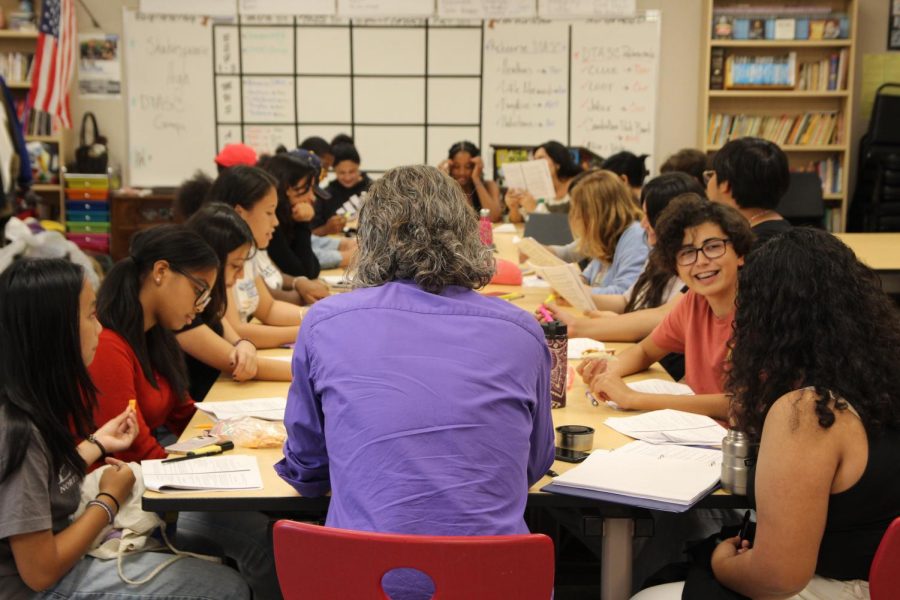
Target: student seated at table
349, 182
654, 287
751, 175
251, 193
606, 225
296, 180
703, 243
210, 343
437, 419
631, 168
687, 160
162, 286
47, 317
562, 169
816, 384
323, 151
464, 164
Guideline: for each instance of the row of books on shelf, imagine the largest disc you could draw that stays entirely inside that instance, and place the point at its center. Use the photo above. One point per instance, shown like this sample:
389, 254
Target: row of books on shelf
16, 66
807, 129
830, 172
828, 74
740, 23
777, 72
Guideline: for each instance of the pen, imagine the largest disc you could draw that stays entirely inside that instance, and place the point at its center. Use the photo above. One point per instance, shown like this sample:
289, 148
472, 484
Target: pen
745, 526
201, 452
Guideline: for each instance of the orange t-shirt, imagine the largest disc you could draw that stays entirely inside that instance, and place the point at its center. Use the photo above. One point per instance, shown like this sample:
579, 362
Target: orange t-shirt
692, 329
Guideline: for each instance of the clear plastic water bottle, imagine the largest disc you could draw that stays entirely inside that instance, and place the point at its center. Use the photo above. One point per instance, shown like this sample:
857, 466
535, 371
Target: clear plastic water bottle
486, 228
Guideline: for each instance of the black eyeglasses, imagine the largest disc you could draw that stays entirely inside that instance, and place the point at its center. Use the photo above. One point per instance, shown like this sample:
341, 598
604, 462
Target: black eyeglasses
707, 175
711, 248
204, 293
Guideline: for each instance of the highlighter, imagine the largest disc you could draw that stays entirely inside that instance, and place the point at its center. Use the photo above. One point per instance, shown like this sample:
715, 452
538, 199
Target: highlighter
204, 451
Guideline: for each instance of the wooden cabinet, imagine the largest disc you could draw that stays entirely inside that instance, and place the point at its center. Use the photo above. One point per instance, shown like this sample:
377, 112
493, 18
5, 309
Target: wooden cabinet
134, 213
769, 103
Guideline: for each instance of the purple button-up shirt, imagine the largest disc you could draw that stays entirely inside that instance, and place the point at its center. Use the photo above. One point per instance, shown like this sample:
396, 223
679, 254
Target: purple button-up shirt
422, 413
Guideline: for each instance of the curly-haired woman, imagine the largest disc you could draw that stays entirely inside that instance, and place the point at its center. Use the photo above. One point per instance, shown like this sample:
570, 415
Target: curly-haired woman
815, 382
397, 424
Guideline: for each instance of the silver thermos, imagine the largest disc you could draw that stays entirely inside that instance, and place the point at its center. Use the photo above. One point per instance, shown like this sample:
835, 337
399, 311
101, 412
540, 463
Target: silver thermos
738, 456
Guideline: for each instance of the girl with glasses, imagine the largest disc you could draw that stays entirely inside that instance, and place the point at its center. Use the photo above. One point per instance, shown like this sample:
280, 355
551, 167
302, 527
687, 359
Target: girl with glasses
162, 286
703, 244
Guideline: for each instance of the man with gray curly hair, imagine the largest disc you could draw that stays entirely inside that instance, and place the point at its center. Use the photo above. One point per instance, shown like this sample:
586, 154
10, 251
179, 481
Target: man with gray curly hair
422, 405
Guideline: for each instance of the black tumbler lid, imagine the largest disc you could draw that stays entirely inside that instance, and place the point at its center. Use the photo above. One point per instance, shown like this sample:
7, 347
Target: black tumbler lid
555, 329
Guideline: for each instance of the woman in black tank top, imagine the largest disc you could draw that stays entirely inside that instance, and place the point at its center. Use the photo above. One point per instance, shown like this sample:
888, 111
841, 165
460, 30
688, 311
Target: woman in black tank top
814, 379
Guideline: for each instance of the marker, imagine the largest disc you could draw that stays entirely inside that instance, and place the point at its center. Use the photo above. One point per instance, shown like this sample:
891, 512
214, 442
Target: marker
550, 298
745, 527
512, 296
545, 313
201, 452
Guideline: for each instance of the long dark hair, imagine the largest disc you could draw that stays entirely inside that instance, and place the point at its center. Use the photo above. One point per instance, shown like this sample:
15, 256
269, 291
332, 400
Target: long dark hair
225, 231
810, 314
628, 164
40, 326
651, 284
568, 168
119, 306
464, 146
287, 170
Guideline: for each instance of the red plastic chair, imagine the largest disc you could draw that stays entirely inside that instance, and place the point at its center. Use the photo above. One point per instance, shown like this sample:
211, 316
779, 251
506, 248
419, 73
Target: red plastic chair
323, 562
884, 574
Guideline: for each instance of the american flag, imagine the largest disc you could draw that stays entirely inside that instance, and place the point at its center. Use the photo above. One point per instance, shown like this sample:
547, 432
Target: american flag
54, 60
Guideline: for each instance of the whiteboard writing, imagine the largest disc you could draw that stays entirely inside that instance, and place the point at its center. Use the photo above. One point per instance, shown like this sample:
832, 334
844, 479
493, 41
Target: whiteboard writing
212, 8
380, 8
614, 76
268, 99
567, 9
171, 123
525, 83
286, 7
486, 9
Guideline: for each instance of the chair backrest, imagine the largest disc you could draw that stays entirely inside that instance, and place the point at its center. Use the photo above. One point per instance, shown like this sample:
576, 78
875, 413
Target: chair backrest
884, 126
884, 574
803, 202
324, 562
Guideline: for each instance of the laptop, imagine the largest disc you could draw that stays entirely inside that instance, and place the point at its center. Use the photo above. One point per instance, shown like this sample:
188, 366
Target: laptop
551, 229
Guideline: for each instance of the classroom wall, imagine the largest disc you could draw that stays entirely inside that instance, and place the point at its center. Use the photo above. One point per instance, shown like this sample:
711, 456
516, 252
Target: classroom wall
682, 39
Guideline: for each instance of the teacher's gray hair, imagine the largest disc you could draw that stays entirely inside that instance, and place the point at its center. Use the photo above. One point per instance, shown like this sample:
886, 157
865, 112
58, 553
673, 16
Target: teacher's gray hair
416, 224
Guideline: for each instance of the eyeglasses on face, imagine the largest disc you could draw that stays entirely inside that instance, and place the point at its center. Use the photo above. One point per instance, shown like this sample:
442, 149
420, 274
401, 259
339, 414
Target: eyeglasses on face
203, 291
711, 248
707, 176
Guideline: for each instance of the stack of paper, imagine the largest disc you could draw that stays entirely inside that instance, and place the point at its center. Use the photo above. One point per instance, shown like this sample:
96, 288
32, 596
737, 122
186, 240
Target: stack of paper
235, 472
566, 279
671, 478
538, 254
270, 409
670, 427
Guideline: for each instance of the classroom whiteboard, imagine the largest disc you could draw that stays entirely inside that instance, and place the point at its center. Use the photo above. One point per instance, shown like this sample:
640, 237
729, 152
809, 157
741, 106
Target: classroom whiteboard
405, 89
170, 96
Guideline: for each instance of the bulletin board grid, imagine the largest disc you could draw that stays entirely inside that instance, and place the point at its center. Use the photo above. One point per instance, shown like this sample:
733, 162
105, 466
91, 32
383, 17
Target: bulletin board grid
235, 120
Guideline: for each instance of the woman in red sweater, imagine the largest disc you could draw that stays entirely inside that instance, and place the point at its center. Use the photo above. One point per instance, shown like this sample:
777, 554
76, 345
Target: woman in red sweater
166, 280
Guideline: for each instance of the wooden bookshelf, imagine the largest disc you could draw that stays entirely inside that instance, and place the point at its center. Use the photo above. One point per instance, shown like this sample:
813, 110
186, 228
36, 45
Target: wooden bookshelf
774, 102
52, 194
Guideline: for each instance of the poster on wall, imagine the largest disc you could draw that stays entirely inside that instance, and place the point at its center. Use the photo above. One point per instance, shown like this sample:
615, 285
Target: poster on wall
99, 66
894, 29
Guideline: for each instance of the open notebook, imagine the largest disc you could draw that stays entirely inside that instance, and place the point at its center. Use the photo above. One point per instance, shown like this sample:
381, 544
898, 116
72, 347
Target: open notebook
669, 478
212, 473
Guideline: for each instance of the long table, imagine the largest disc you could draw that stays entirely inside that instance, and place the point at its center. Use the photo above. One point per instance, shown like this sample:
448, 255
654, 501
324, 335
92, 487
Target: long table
279, 497
880, 252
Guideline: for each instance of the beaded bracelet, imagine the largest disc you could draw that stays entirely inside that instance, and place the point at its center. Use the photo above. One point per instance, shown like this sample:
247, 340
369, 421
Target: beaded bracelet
97, 443
111, 497
245, 340
104, 506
